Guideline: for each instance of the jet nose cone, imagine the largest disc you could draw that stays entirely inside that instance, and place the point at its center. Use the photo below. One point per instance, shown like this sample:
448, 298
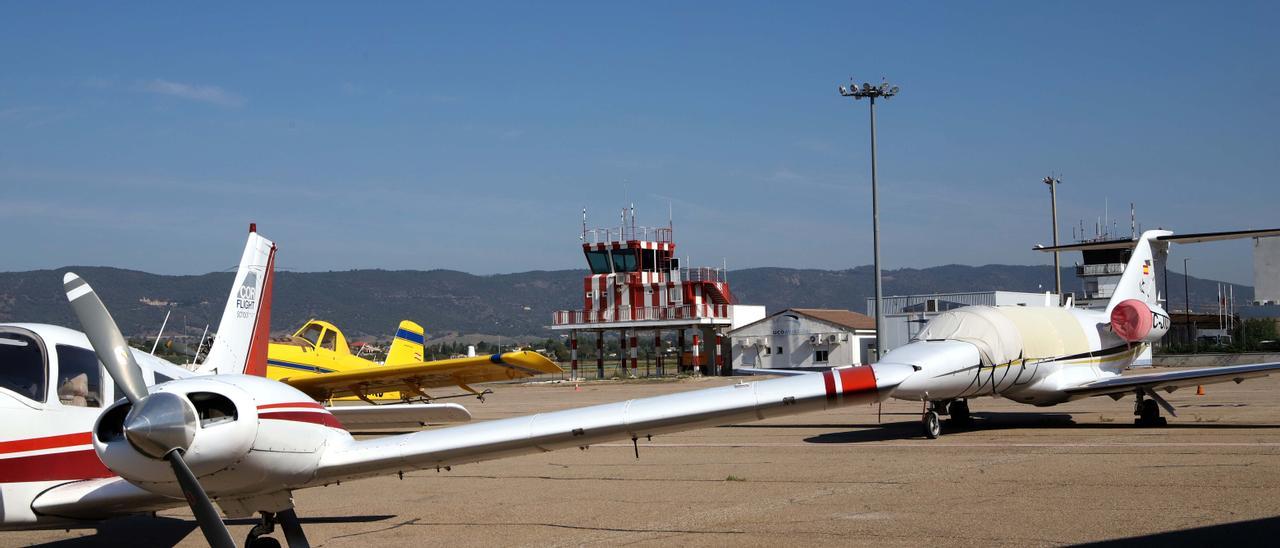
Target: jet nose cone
161, 423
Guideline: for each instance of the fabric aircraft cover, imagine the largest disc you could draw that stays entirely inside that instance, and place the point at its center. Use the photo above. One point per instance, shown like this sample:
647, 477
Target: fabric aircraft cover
1006, 333
996, 336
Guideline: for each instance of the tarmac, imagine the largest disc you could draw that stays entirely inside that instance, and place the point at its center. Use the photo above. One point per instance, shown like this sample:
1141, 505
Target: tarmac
1075, 473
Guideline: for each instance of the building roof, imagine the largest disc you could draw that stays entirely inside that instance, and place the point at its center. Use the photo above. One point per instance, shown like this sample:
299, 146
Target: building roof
840, 317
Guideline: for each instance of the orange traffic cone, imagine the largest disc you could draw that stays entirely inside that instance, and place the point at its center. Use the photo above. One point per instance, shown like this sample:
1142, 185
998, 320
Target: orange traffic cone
576, 388
1199, 389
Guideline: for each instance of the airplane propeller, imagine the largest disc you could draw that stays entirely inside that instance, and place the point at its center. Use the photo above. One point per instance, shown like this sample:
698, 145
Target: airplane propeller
160, 425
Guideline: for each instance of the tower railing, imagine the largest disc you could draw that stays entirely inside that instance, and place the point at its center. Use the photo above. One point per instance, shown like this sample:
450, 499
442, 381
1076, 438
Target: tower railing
627, 234
641, 313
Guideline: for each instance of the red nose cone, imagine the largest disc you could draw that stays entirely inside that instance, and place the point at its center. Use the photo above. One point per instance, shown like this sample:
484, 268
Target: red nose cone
1131, 320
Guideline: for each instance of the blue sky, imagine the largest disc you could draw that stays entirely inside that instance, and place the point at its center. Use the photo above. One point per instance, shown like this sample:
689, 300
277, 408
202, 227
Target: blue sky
470, 136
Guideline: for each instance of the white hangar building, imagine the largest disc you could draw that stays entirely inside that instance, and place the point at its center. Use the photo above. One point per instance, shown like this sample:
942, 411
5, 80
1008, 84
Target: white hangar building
803, 338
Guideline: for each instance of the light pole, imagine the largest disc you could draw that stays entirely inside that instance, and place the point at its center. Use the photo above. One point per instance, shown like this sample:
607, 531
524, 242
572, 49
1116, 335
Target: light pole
1057, 269
1186, 296
871, 92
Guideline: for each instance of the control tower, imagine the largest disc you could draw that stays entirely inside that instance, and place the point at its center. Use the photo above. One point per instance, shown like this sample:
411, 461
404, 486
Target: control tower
637, 284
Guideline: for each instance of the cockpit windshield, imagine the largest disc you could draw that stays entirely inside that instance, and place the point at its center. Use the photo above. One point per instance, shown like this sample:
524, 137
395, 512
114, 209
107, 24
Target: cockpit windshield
312, 333
22, 364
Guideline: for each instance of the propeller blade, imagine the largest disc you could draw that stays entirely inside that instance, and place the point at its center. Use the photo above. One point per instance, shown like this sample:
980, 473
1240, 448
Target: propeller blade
215, 531
105, 337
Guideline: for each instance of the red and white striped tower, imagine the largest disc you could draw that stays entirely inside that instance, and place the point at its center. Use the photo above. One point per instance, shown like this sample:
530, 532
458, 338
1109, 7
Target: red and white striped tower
636, 283
697, 349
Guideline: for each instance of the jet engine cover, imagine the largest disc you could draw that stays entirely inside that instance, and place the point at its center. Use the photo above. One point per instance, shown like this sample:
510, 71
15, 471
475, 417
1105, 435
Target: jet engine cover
1133, 320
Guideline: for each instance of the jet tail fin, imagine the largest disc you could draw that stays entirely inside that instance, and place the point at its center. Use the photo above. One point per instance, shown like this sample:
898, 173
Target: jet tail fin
1139, 278
407, 346
240, 344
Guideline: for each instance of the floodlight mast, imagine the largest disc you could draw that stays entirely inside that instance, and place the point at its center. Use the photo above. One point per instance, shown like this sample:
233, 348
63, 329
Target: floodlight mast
1053, 199
885, 91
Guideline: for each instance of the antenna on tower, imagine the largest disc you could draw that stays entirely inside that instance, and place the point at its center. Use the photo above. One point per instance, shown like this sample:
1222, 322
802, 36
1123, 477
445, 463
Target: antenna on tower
583, 237
1133, 222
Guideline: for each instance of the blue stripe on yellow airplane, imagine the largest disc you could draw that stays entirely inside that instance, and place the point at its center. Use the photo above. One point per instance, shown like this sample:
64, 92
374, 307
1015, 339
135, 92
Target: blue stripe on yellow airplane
410, 336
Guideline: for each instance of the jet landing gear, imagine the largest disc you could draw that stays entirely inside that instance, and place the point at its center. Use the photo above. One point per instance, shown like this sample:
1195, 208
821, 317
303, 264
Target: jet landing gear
960, 412
1148, 412
288, 521
957, 409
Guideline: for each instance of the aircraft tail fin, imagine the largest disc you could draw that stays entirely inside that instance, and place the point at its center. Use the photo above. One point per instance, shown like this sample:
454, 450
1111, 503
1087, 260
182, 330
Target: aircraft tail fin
1139, 278
407, 346
240, 344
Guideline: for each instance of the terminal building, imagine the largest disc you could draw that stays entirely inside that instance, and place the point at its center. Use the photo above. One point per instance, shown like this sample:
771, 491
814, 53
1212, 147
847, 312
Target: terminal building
805, 338
636, 286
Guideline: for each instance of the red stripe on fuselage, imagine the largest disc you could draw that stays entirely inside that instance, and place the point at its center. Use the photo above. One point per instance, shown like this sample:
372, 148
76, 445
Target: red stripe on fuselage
50, 442
68, 465
323, 419
830, 381
294, 404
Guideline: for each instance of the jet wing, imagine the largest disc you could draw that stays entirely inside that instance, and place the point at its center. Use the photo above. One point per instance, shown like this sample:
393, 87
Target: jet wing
1173, 379
424, 375
778, 372
399, 415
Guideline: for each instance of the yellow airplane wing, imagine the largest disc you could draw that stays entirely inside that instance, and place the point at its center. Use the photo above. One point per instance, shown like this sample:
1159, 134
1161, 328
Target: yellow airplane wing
415, 378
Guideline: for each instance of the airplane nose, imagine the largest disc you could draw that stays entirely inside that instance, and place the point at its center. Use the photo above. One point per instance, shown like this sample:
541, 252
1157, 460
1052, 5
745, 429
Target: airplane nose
160, 423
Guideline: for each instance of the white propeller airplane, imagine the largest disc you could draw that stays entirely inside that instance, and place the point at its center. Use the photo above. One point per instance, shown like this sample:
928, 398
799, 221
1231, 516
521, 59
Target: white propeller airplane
1046, 356
228, 435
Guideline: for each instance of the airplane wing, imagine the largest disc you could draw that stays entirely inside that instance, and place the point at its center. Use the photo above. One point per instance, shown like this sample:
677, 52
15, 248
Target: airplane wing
399, 415
424, 375
100, 499
1172, 380
636, 420
779, 372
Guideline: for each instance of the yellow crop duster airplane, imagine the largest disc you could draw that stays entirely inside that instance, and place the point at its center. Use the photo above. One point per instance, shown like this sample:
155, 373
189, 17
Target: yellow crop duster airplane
317, 361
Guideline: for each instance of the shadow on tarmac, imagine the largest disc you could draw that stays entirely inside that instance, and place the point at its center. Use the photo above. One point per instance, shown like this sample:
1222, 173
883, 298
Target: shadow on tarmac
165, 531
1258, 532
987, 421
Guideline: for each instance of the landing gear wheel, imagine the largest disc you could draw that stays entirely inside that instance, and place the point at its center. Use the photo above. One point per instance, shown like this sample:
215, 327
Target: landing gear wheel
1149, 414
263, 542
932, 426
959, 411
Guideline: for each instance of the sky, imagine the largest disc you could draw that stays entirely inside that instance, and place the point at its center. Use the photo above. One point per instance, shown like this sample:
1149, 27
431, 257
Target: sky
471, 135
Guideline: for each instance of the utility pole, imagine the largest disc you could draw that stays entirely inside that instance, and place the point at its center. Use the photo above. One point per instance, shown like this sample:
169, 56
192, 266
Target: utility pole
1186, 296
871, 92
1057, 268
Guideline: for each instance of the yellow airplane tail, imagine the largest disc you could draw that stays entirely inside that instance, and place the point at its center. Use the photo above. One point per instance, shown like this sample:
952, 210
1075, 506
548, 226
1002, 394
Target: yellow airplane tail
407, 347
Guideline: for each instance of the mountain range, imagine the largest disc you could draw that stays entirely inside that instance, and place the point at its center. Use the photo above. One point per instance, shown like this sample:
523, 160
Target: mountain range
370, 303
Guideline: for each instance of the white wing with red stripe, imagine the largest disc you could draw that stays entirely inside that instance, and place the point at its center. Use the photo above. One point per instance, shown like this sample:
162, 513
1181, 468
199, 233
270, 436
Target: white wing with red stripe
632, 419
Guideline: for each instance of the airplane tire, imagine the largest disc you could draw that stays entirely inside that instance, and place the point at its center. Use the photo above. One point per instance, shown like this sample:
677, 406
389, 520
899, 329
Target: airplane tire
1149, 414
263, 542
959, 411
932, 426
